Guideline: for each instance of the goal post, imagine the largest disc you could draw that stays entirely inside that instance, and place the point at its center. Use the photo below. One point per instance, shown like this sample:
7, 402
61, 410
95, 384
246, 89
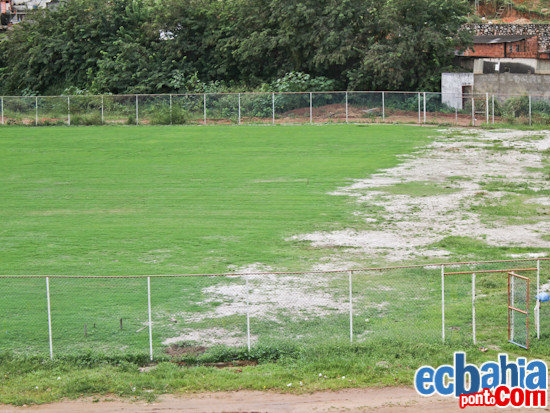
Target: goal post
518, 310
518, 302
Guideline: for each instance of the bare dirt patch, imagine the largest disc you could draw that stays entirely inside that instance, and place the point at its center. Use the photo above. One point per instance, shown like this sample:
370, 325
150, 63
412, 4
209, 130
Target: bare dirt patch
381, 400
269, 296
404, 225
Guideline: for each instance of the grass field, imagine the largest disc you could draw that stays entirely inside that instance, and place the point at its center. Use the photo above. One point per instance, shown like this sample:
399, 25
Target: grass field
173, 200
168, 200
176, 200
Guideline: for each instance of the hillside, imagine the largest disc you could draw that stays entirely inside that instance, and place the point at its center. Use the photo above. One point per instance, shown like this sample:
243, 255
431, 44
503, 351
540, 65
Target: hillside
515, 11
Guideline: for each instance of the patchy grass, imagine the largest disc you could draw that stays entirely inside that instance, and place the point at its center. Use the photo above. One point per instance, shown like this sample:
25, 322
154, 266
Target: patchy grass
514, 210
472, 248
416, 189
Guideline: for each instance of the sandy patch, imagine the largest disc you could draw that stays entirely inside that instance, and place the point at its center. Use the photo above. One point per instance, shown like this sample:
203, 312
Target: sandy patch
269, 296
459, 162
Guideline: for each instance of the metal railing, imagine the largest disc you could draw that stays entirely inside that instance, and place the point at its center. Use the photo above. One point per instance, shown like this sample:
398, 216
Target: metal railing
275, 108
68, 314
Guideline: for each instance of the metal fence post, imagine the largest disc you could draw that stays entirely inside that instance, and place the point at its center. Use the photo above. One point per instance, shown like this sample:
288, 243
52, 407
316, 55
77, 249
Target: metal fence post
204, 107
150, 318
69, 110
383, 108
530, 101
419, 121
538, 292
49, 316
2, 104
346, 107
36, 111
102, 119
474, 306
273, 107
239, 108
247, 314
424, 99
456, 110
443, 303
137, 111
473, 112
493, 108
170, 109
350, 310
487, 107
310, 108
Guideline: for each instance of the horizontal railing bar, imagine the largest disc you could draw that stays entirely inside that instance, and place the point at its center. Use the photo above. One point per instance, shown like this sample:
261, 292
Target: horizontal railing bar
517, 309
489, 271
427, 266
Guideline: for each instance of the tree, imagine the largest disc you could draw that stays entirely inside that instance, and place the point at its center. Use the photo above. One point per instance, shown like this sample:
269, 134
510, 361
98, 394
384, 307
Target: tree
411, 43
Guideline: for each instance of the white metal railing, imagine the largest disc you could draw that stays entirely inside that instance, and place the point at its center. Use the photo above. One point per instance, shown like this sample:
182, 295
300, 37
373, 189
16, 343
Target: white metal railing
290, 107
345, 304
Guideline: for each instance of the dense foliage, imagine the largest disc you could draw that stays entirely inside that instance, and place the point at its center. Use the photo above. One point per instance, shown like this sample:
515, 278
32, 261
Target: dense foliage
148, 46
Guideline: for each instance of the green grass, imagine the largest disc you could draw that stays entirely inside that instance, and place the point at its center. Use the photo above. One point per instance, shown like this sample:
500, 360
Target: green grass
172, 200
166, 200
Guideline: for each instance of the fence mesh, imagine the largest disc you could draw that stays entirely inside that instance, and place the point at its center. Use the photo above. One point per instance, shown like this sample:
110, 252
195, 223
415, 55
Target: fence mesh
466, 109
405, 303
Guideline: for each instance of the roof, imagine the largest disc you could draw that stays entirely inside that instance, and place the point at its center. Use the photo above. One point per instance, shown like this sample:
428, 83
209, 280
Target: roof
498, 39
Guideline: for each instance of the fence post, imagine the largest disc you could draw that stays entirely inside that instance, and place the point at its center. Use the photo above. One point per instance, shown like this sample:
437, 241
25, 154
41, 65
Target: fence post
419, 120
2, 104
204, 107
456, 108
239, 108
443, 303
36, 111
350, 310
247, 314
69, 110
487, 107
346, 107
310, 108
273, 107
150, 318
49, 316
493, 108
538, 292
473, 112
383, 108
529, 110
474, 306
102, 120
137, 111
424, 106
170, 109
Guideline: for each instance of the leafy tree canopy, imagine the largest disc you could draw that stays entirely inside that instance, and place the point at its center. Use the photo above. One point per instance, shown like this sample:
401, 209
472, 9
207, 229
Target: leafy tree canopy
153, 46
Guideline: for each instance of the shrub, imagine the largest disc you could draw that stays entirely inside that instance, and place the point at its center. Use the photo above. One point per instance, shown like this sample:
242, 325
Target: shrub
162, 115
86, 119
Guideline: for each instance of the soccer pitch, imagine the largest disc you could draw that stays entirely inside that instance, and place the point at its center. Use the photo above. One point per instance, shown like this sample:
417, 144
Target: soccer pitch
169, 200
177, 200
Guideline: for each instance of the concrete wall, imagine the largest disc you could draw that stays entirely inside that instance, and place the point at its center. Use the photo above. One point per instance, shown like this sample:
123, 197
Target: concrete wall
512, 84
504, 65
451, 87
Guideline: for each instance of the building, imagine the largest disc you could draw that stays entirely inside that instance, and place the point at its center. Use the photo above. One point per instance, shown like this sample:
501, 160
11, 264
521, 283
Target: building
499, 64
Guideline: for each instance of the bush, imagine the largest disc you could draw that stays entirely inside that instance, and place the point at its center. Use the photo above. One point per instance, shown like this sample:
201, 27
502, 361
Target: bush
516, 106
162, 115
86, 119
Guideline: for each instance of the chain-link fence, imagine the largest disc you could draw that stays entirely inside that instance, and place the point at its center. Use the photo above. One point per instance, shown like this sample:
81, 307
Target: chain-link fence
276, 108
456, 303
